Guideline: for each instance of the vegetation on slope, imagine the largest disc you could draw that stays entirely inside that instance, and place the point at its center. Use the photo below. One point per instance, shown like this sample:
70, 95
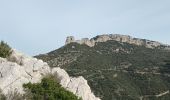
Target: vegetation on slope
115, 70
5, 49
48, 89
2, 96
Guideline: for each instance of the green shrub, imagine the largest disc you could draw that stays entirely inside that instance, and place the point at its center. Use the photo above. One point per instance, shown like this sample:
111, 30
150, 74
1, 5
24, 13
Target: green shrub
48, 89
5, 49
2, 96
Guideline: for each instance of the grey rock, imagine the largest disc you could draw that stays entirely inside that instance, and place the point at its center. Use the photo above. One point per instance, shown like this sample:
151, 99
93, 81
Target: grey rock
20, 68
115, 37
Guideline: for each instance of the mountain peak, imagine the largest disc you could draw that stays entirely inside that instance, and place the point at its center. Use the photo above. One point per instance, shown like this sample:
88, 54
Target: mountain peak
116, 37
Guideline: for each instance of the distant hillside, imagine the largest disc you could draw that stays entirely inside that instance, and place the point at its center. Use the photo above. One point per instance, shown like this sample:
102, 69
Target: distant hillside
117, 70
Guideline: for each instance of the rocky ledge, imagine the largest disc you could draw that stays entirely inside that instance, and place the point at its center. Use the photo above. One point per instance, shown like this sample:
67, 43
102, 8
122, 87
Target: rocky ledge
19, 69
116, 37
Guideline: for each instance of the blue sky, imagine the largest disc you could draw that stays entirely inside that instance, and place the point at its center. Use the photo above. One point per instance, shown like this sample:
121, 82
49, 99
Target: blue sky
39, 26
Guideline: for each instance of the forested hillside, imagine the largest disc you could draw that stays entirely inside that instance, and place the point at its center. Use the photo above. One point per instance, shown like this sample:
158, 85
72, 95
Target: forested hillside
117, 70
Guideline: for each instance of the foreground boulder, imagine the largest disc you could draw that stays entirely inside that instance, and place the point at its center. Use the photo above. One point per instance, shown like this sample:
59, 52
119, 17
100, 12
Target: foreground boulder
19, 69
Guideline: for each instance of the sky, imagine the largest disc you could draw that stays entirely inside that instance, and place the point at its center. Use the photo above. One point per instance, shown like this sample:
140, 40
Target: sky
39, 26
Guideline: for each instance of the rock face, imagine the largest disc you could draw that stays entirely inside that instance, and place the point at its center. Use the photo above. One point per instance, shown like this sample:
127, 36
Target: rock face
77, 85
116, 37
19, 69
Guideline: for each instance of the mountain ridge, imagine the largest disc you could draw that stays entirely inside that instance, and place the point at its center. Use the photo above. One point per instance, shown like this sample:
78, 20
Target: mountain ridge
117, 37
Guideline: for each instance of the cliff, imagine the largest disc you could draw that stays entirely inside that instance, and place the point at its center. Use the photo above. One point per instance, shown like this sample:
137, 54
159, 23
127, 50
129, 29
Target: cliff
116, 37
20, 68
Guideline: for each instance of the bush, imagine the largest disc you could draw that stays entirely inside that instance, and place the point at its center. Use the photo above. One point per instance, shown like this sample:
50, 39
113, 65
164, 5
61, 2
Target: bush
2, 96
48, 89
5, 50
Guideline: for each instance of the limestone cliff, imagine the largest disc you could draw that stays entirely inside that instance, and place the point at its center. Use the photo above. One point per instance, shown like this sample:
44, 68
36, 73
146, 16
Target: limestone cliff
19, 69
116, 37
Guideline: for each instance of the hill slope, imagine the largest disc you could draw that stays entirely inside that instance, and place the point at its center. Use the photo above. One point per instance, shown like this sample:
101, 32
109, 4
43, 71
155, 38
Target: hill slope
117, 70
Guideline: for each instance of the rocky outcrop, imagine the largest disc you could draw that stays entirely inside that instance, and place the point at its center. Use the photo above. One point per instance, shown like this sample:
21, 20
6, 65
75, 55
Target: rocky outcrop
19, 69
115, 37
77, 85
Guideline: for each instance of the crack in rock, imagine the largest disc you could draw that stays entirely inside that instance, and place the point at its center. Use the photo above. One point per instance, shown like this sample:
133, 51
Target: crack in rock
11, 83
1, 74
